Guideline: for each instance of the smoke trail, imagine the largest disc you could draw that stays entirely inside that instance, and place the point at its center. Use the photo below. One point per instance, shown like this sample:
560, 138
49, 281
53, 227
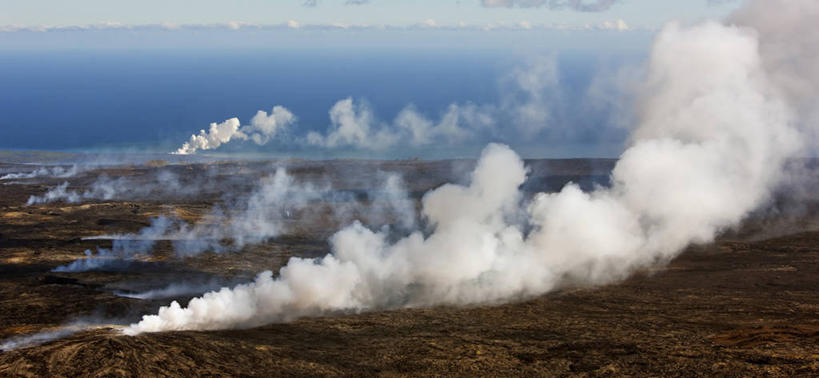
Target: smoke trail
713, 137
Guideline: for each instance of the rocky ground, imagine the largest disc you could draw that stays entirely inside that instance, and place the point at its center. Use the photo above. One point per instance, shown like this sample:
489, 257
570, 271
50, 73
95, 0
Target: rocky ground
745, 305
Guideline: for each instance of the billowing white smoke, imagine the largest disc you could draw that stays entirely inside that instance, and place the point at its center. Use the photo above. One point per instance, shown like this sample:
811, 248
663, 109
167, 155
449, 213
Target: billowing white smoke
57, 171
262, 127
715, 131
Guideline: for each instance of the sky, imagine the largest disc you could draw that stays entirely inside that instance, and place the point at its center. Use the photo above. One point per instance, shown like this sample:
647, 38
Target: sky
636, 13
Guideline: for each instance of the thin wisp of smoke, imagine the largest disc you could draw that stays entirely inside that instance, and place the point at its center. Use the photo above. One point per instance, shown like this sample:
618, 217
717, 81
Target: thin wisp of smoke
125, 249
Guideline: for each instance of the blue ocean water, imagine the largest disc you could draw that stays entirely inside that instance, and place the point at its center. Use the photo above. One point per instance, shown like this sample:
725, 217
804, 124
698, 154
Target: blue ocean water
152, 100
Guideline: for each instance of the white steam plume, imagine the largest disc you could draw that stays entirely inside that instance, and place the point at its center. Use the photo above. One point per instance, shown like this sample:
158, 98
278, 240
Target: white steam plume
714, 133
218, 134
262, 128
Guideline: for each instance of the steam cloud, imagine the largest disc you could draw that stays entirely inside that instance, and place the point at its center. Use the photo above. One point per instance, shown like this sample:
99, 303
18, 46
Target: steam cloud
715, 130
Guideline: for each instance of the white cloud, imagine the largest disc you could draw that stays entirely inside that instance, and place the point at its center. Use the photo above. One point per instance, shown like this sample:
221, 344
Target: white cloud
618, 25
577, 5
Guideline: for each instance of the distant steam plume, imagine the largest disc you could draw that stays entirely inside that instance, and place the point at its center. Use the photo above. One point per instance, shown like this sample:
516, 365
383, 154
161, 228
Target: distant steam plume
532, 101
262, 127
716, 126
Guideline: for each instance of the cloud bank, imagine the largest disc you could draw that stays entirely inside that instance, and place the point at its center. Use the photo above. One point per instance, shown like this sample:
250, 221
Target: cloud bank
577, 5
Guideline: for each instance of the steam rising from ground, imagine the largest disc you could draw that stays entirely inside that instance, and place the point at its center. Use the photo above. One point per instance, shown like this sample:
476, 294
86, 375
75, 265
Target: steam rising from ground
123, 251
165, 184
56, 171
714, 132
269, 211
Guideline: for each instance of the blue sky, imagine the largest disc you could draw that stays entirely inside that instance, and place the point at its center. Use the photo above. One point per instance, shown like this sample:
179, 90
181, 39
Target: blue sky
637, 13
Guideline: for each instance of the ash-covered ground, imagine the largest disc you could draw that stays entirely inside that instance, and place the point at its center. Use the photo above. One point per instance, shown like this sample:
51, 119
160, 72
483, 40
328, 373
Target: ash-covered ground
747, 304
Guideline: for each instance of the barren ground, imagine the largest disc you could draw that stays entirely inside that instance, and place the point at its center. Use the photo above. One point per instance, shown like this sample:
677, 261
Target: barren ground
745, 305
